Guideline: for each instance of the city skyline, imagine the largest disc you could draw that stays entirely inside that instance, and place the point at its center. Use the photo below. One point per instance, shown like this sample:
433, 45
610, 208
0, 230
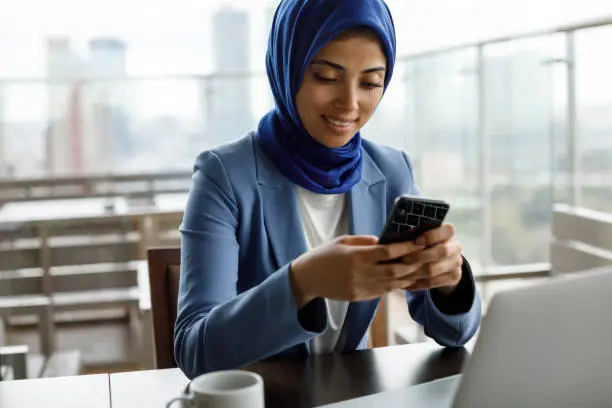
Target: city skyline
229, 112
430, 110
88, 129
23, 99
181, 29
200, 112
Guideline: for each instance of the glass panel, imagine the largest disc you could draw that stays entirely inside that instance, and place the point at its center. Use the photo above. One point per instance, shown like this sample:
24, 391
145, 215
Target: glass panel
561, 155
439, 121
518, 123
232, 107
5, 172
594, 117
140, 125
23, 129
388, 123
123, 126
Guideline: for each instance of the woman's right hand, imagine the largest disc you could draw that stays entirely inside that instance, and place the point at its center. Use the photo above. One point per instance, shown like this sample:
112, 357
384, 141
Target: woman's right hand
350, 268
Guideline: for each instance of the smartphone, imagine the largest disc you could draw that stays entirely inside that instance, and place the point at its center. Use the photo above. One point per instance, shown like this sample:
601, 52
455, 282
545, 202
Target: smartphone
412, 216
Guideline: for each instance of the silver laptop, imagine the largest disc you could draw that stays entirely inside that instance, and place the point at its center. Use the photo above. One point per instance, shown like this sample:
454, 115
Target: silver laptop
549, 345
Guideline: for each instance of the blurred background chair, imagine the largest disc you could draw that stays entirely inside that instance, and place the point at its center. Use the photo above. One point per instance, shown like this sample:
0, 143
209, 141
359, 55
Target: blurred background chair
13, 363
84, 270
164, 273
582, 239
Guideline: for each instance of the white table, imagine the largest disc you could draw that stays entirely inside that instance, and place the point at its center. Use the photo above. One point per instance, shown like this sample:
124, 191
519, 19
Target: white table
85, 391
149, 388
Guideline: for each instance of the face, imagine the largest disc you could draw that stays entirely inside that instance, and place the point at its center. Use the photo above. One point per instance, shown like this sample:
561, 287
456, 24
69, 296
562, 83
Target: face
341, 89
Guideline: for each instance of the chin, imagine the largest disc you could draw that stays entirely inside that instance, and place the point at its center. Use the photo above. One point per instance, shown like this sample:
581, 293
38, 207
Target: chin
334, 141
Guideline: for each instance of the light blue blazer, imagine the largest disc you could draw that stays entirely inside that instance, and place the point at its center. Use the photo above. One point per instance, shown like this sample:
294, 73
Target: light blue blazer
241, 230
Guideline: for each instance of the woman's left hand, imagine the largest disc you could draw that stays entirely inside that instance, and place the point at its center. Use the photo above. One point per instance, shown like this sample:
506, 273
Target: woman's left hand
441, 259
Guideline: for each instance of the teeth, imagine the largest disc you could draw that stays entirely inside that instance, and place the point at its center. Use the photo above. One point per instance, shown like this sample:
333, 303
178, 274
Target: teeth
337, 122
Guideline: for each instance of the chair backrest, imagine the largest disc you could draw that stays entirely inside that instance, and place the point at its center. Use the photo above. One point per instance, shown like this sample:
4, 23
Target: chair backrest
45, 258
14, 358
164, 272
81, 254
582, 239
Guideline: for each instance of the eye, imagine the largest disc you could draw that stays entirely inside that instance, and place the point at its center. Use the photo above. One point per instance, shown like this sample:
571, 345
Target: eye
322, 78
370, 85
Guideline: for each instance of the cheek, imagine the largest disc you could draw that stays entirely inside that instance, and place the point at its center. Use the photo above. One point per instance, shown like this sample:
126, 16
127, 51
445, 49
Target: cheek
317, 97
369, 104
309, 102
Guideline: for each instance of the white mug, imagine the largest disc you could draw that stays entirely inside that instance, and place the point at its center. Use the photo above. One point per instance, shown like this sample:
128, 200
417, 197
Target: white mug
224, 389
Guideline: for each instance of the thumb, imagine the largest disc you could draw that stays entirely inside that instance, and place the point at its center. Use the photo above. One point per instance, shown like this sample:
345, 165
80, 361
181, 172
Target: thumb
359, 240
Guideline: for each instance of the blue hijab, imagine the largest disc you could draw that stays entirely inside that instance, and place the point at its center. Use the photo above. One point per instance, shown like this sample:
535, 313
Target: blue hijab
299, 30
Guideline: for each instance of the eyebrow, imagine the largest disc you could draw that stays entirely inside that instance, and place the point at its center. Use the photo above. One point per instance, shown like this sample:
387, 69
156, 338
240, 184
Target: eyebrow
341, 68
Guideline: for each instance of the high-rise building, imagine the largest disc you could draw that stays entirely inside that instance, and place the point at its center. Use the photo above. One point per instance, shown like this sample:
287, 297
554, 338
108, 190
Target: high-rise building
87, 100
64, 139
106, 123
230, 104
107, 58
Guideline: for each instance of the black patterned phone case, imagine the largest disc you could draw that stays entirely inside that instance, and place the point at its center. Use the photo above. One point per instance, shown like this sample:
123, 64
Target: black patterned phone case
412, 216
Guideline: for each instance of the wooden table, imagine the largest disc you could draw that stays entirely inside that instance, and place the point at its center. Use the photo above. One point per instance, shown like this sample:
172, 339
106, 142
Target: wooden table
316, 381
85, 391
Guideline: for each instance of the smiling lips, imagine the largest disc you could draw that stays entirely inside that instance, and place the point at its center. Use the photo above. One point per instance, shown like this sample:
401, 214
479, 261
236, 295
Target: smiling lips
339, 125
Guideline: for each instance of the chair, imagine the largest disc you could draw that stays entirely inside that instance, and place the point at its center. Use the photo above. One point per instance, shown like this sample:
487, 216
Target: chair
13, 362
582, 239
164, 272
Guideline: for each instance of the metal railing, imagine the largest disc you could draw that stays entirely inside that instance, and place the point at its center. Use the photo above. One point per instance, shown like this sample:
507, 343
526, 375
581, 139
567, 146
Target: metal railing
457, 110
133, 186
528, 271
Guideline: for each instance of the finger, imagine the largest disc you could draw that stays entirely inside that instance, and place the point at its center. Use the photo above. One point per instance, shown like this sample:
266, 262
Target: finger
395, 271
389, 285
436, 235
359, 240
434, 270
436, 253
400, 284
448, 279
381, 253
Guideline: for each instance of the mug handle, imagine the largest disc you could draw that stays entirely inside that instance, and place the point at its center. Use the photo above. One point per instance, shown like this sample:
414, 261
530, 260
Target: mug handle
182, 398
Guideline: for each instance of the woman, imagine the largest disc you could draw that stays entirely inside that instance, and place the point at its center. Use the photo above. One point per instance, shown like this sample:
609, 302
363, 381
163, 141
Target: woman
279, 248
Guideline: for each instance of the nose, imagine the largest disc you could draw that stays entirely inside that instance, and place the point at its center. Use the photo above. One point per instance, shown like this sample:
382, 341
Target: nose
347, 98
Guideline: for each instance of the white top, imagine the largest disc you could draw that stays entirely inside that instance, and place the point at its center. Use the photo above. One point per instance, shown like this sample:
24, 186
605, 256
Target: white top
325, 217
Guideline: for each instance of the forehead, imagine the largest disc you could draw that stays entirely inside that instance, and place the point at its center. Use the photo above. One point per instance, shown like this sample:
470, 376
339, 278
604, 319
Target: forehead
354, 50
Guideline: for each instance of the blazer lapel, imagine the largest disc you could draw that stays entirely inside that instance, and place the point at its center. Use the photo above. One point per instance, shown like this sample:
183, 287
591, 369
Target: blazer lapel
368, 201
368, 214
280, 209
